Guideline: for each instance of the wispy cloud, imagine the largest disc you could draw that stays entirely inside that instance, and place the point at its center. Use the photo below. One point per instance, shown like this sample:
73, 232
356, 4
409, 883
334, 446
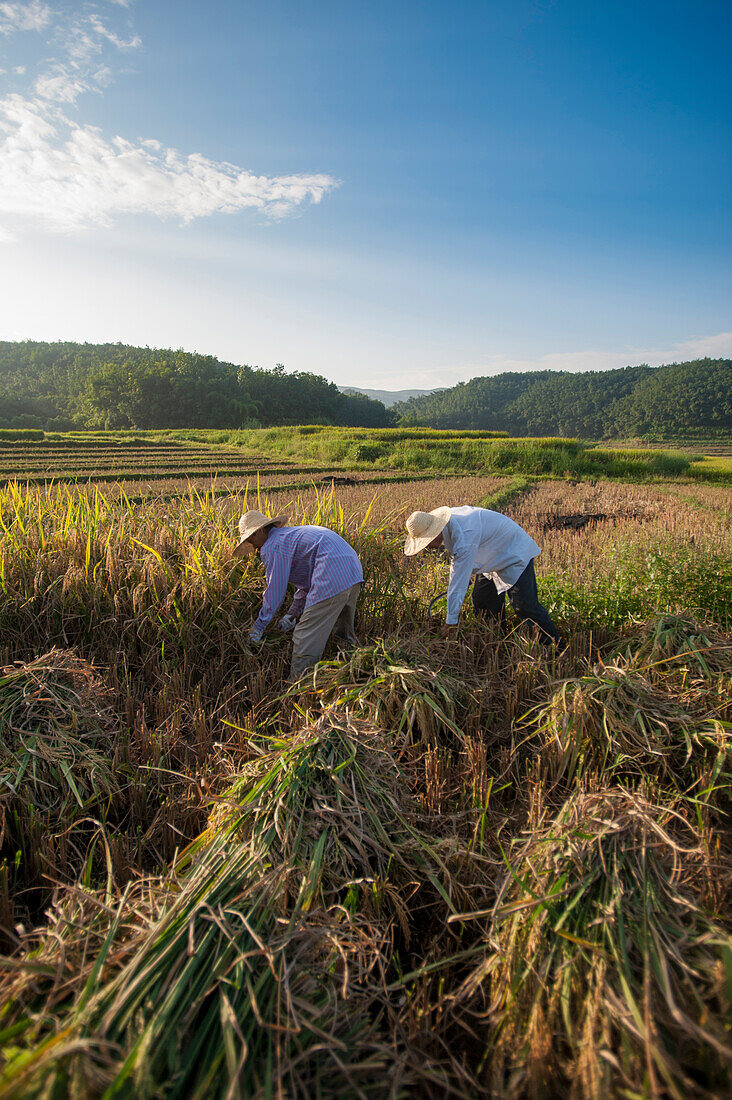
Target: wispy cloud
65, 175
33, 16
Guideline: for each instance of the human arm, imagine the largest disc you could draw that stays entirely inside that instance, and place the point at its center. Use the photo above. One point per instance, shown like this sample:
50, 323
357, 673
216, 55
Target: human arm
298, 603
290, 619
461, 569
278, 572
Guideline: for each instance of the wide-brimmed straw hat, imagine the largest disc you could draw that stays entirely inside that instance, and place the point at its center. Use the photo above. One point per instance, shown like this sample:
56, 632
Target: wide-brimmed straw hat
251, 522
423, 527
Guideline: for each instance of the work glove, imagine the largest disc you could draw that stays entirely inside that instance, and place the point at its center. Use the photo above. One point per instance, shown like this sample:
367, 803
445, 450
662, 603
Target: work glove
287, 622
256, 634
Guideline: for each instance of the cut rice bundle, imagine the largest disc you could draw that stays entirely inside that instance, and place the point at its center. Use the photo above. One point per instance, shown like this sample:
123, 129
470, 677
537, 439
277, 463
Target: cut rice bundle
57, 765
399, 691
218, 997
265, 973
602, 970
615, 722
332, 810
676, 643
56, 735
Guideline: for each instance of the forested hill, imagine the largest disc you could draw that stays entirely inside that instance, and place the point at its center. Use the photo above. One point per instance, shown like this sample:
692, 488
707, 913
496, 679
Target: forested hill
673, 401
64, 386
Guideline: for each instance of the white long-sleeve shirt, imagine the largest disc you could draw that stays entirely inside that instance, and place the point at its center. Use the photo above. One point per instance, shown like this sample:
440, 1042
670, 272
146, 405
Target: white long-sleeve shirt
485, 542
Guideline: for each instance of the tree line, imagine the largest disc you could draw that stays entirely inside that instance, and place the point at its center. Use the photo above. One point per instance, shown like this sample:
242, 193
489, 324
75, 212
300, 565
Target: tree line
65, 386
672, 401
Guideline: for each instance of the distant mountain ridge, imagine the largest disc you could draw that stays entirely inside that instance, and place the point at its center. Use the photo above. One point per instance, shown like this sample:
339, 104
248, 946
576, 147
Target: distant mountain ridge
666, 402
387, 397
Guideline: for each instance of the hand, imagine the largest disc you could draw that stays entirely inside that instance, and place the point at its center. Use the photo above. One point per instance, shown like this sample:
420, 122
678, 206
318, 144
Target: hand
255, 635
448, 631
287, 622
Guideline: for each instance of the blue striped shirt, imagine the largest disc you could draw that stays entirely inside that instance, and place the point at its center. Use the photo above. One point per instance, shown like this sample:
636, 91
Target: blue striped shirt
316, 560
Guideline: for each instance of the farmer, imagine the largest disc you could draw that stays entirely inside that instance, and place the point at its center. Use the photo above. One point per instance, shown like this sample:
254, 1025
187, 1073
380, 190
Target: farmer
327, 576
496, 550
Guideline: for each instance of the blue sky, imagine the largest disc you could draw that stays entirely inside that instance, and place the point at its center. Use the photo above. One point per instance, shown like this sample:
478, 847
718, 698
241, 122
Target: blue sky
390, 194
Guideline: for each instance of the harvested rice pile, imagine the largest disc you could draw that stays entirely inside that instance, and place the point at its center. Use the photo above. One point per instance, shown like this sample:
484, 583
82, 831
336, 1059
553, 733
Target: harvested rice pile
602, 966
268, 962
674, 643
398, 690
616, 723
57, 759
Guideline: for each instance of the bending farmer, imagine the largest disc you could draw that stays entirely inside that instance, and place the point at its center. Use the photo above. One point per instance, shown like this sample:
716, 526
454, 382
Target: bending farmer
327, 576
495, 549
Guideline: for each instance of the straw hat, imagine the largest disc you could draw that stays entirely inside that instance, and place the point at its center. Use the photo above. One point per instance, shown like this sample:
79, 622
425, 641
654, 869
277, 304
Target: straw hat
423, 527
251, 522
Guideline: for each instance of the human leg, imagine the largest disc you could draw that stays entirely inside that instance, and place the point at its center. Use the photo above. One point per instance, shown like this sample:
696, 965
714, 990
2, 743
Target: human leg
313, 629
346, 621
525, 599
488, 602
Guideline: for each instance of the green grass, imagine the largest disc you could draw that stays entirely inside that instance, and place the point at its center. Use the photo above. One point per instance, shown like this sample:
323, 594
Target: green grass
413, 450
640, 582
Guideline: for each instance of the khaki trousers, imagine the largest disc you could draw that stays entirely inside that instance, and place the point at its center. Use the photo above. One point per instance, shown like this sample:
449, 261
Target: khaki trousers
317, 623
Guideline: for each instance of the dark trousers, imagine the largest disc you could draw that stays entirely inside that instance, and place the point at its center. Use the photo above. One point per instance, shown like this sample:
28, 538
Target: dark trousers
489, 603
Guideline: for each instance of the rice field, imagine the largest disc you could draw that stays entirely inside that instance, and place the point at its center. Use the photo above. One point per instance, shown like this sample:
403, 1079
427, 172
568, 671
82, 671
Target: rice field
463, 868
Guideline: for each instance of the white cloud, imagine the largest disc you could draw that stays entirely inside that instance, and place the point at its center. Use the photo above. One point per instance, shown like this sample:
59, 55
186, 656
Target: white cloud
60, 86
716, 347
63, 175
15, 16
103, 31
67, 176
